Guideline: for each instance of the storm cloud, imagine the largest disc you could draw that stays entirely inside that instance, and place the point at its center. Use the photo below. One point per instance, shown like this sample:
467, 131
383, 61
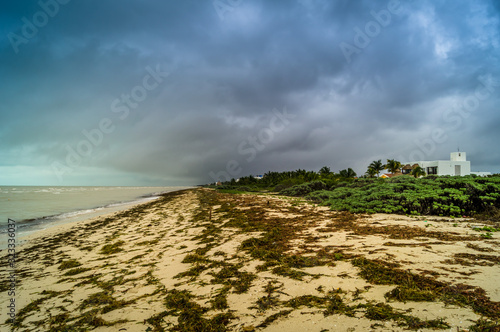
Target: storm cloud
183, 92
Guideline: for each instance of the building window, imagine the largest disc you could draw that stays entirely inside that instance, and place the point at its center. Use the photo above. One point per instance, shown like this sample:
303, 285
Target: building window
432, 170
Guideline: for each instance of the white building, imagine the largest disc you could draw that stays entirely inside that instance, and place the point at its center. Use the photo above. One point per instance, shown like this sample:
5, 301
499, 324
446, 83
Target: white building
457, 165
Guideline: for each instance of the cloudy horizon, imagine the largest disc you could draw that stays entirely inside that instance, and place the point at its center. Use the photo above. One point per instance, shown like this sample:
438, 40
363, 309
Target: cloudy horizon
184, 93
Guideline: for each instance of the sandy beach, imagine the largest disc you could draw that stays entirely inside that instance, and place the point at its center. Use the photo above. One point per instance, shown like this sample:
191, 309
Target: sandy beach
199, 260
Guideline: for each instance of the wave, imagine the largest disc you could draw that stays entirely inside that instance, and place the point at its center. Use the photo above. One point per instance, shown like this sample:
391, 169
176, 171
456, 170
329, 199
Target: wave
26, 223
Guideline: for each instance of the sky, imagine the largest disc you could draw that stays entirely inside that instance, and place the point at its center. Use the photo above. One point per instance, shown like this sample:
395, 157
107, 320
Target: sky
129, 92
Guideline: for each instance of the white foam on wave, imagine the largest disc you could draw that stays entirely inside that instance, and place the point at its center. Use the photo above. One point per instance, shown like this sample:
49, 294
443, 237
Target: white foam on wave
78, 213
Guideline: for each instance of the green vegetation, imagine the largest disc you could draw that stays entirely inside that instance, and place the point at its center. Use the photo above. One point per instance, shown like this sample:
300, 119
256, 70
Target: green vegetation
375, 168
393, 166
347, 173
277, 236
304, 188
455, 196
487, 229
277, 181
418, 172
444, 196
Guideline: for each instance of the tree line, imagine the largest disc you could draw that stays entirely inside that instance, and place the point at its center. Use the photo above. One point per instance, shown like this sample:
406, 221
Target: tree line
392, 166
290, 178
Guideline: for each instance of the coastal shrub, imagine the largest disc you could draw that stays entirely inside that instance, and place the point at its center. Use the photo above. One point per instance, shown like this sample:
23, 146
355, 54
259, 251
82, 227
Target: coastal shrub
491, 213
304, 189
281, 187
245, 188
446, 196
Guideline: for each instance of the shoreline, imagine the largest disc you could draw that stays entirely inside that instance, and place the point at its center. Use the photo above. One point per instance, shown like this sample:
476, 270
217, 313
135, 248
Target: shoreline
253, 263
39, 225
56, 227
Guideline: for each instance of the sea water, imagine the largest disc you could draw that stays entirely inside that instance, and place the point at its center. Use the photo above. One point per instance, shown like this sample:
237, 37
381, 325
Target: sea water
39, 207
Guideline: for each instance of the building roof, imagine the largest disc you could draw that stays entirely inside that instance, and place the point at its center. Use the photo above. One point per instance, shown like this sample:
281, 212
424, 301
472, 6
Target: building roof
390, 175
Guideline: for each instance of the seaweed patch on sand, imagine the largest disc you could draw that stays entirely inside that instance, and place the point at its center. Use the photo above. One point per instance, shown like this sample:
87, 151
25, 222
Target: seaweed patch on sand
200, 260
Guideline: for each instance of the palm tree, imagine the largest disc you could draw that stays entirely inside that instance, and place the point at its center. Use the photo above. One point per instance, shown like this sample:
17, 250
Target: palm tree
347, 173
393, 165
311, 176
418, 172
377, 166
371, 172
324, 171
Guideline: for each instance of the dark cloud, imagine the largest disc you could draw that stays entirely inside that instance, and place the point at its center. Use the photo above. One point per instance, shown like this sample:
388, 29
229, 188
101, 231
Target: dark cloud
231, 70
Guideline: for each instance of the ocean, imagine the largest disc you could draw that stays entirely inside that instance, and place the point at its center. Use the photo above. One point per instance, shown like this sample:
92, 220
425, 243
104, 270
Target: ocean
35, 208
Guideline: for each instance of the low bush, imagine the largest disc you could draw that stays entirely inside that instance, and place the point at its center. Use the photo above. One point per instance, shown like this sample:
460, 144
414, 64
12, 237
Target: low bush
304, 189
445, 196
